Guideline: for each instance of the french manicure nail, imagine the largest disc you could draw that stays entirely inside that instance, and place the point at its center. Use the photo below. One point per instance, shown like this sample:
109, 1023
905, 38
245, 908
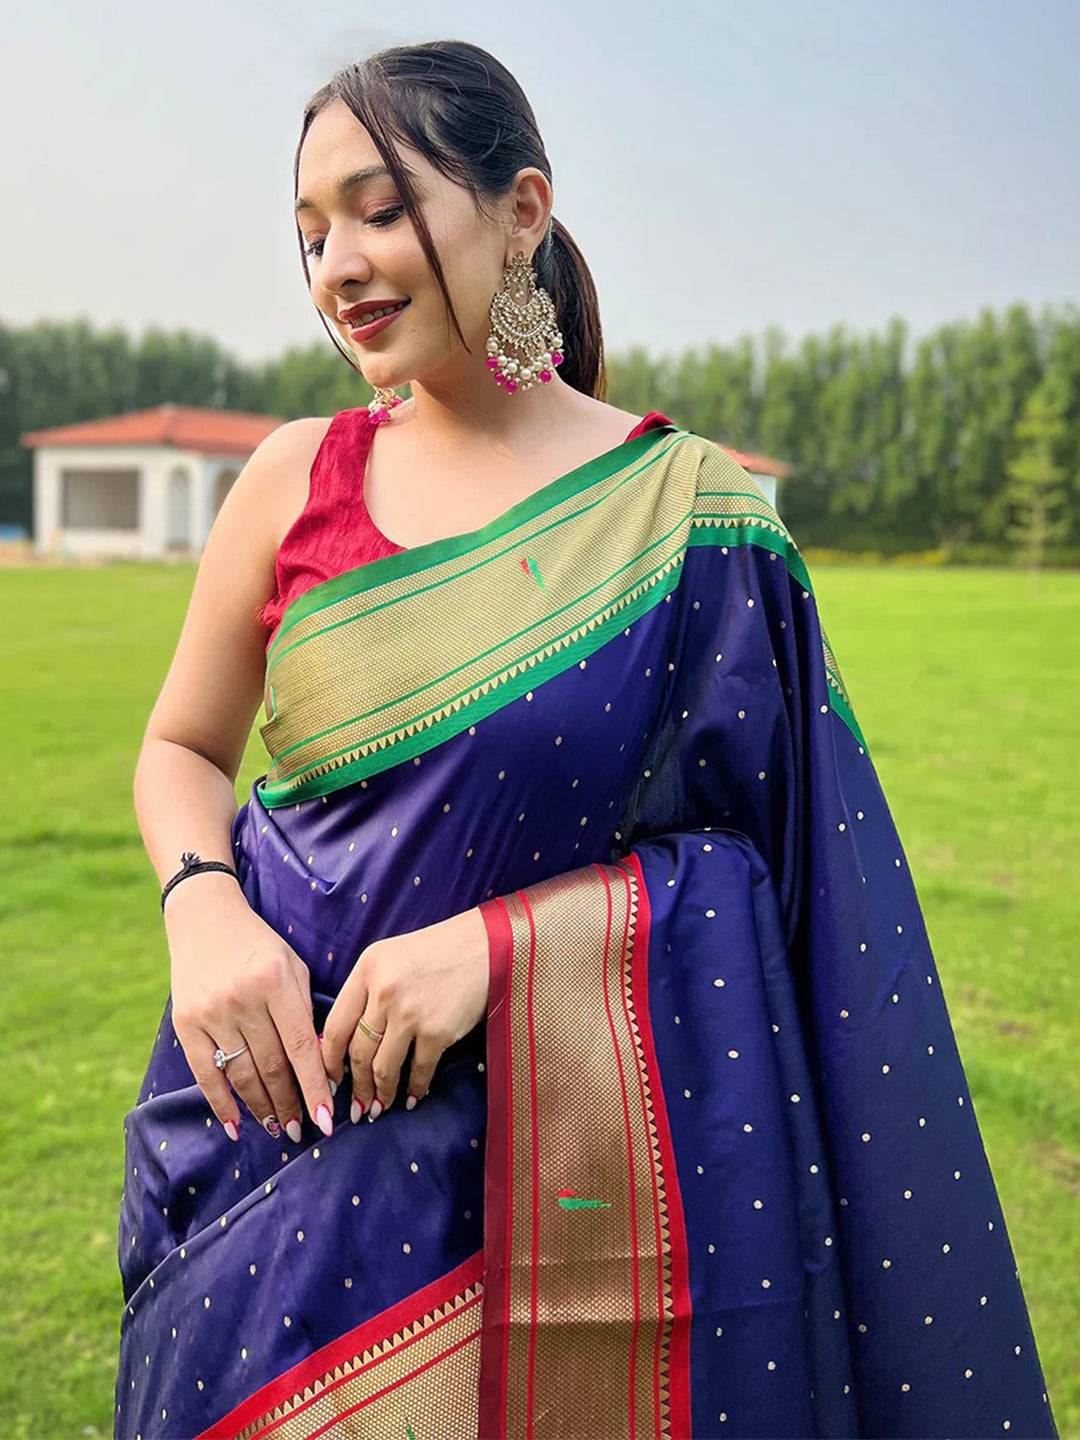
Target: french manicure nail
356, 1109
333, 1085
410, 1103
322, 1119
376, 1110
231, 1130
292, 1129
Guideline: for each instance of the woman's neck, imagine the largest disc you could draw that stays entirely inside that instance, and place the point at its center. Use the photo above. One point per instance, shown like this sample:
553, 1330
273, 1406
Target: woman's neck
456, 420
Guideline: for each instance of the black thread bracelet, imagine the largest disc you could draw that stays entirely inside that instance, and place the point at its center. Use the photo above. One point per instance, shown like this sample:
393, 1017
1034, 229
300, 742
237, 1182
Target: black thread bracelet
192, 865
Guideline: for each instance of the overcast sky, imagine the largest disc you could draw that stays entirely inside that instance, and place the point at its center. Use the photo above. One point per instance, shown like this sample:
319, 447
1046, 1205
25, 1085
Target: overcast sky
723, 164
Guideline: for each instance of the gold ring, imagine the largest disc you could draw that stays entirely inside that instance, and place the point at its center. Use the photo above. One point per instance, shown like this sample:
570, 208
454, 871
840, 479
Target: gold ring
371, 1034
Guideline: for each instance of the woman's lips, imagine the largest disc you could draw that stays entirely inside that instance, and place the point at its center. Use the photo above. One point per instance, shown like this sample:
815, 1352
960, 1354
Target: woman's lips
365, 332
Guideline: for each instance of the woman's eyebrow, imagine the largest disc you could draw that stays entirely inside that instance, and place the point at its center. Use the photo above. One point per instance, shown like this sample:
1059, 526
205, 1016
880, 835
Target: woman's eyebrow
348, 183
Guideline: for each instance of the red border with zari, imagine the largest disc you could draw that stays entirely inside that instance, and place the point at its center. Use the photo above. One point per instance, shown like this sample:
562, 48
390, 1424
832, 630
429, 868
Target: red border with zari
569, 976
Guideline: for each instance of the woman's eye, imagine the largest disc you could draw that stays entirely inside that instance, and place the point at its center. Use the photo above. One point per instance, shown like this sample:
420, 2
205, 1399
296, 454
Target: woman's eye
387, 217
381, 219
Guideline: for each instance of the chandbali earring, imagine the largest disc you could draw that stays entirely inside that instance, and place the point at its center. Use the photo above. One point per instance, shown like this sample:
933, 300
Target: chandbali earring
381, 403
524, 344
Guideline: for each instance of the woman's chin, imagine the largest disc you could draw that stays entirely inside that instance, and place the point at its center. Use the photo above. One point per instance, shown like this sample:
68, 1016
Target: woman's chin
382, 375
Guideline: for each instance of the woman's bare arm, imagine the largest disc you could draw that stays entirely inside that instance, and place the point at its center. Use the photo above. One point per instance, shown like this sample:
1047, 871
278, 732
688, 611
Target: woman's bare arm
196, 733
235, 983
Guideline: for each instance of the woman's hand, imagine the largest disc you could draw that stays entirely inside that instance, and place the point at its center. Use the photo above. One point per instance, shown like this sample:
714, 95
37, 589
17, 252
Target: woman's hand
429, 986
236, 982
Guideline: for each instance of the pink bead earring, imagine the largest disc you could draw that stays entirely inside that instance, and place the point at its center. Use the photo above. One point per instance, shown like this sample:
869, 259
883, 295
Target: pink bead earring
524, 344
381, 403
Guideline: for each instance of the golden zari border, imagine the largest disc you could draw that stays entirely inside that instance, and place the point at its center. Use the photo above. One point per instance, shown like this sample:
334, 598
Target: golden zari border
413, 1370
392, 658
362, 682
590, 1290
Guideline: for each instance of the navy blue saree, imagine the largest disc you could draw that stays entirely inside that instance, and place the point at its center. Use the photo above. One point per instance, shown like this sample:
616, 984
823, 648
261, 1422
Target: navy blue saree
709, 1166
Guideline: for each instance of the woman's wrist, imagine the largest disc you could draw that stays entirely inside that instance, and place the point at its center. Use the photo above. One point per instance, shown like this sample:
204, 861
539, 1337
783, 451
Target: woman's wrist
204, 887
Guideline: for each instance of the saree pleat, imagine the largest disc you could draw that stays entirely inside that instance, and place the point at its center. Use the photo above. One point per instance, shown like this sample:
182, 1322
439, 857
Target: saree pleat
709, 1166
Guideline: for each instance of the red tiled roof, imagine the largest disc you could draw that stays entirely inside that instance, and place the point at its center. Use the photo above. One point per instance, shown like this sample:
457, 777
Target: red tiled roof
759, 464
184, 427
230, 432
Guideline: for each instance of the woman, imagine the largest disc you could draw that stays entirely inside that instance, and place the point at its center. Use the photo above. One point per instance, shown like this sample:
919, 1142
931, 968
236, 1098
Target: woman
570, 876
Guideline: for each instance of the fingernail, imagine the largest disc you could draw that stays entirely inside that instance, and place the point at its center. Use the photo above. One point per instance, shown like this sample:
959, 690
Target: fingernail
410, 1103
333, 1085
322, 1119
292, 1129
356, 1109
271, 1126
376, 1110
231, 1130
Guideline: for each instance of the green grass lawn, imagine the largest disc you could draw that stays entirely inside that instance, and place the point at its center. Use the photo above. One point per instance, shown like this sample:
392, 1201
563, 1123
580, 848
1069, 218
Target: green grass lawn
968, 690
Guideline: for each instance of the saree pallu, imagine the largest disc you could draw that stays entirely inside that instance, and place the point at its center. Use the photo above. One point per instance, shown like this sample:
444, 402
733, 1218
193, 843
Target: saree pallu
709, 1164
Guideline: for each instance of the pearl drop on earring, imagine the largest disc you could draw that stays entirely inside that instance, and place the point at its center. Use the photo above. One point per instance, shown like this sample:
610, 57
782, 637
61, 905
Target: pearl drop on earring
522, 320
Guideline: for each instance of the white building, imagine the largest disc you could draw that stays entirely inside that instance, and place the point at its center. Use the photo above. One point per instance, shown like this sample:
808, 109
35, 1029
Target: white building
148, 484
142, 485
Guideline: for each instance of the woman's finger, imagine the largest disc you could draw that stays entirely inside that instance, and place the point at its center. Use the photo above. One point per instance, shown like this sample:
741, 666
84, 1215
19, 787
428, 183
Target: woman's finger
388, 1060
426, 1056
341, 1023
283, 1108
199, 1050
362, 1051
243, 1075
291, 1013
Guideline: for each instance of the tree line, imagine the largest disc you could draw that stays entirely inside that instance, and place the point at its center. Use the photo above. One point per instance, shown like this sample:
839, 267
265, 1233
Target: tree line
965, 440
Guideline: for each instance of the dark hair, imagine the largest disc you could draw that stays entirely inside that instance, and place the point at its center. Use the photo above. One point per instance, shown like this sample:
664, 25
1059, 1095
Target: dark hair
459, 107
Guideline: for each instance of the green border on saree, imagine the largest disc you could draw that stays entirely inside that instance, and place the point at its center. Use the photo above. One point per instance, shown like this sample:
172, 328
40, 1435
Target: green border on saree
434, 552
687, 509
496, 697
748, 529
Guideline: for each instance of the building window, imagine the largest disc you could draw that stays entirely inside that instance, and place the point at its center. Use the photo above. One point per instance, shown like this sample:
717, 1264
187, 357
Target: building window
99, 499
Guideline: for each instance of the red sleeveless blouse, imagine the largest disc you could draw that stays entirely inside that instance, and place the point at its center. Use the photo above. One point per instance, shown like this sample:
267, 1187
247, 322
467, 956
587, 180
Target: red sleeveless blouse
334, 531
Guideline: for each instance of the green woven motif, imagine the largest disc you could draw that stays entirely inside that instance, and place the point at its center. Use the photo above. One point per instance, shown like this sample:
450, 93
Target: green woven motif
571, 1200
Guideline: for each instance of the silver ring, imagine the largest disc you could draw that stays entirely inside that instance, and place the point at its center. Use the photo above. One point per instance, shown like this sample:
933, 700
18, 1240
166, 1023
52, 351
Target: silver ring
221, 1059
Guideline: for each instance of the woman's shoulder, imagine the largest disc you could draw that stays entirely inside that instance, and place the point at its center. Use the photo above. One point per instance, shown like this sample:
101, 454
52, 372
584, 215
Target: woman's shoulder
728, 497
724, 466
308, 432
294, 446
264, 479
287, 465
292, 441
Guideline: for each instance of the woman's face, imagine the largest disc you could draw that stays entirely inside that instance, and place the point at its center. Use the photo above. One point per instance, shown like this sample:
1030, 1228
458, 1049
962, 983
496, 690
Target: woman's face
361, 246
